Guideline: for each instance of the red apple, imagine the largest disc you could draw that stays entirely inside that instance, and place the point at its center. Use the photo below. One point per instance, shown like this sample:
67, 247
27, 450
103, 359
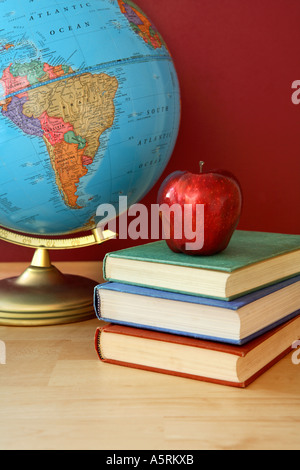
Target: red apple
219, 195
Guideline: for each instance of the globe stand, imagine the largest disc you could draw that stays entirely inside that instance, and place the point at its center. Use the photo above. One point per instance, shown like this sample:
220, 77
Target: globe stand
42, 295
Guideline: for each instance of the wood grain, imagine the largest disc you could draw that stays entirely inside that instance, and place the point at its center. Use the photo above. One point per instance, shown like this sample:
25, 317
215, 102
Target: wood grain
56, 394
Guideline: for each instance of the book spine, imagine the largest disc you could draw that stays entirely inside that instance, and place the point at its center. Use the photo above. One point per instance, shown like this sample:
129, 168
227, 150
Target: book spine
104, 266
97, 303
97, 343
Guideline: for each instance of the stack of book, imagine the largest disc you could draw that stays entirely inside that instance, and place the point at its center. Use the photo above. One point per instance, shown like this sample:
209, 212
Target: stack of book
225, 318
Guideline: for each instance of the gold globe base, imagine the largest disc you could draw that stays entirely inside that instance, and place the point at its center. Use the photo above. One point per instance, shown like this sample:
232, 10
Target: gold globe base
42, 296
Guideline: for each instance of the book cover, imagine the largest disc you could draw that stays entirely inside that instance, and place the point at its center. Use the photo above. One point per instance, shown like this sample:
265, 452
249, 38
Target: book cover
280, 339
184, 299
244, 249
251, 261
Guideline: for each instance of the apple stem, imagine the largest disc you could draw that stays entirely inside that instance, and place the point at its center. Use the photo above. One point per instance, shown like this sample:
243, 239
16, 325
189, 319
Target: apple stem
201, 166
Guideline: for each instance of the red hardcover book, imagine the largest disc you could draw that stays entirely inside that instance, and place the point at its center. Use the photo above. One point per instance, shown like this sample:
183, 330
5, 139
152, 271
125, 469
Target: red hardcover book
193, 358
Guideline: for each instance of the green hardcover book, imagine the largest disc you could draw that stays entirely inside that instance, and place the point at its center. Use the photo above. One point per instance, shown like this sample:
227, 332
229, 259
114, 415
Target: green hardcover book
251, 261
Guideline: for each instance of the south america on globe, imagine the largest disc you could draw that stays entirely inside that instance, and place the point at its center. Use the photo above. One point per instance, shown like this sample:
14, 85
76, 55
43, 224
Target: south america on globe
89, 111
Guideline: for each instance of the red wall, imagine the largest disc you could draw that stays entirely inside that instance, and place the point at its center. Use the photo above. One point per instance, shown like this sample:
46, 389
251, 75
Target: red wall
236, 61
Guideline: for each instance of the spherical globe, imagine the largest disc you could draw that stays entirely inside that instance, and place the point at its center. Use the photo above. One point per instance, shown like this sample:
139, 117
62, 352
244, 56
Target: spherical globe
89, 111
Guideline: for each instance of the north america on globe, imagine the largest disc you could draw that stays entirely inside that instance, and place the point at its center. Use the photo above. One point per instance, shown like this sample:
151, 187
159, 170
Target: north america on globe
141, 24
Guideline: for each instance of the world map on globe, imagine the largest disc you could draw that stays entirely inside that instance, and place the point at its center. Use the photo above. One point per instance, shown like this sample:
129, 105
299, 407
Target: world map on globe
89, 111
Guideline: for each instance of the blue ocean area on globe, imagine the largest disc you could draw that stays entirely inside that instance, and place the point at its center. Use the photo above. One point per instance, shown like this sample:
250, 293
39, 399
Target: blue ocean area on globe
89, 111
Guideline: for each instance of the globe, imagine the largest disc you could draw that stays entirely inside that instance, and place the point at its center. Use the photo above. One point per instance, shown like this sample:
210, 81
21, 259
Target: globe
89, 111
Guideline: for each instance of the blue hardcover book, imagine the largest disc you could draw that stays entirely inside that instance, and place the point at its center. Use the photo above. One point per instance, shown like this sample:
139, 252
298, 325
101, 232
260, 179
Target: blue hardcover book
236, 322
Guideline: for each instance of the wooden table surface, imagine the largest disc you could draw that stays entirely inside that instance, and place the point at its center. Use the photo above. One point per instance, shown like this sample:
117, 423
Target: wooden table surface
56, 394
